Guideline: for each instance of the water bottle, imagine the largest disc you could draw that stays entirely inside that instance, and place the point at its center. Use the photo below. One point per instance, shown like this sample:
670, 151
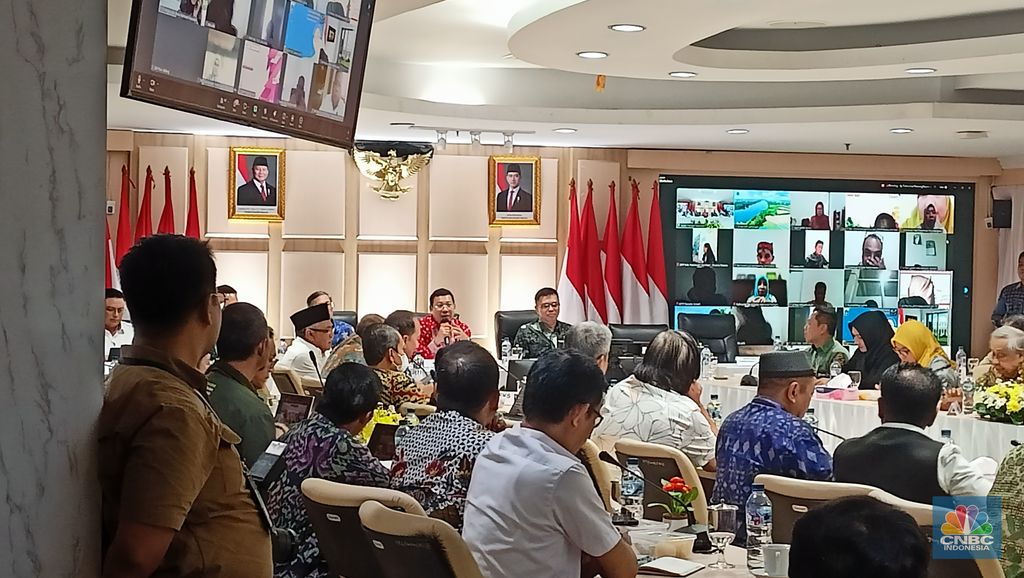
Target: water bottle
411, 418
835, 368
968, 387
712, 366
810, 418
632, 489
715, 409
705, 361
961, 363
402, 431
777, 343
506, 348
946, 436
759, 527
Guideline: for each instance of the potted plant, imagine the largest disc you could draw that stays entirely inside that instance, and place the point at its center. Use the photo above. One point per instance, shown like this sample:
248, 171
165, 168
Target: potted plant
679, 509
1002, 402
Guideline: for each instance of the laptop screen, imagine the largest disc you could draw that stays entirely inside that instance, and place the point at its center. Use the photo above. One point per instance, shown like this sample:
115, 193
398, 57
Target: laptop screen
382, 441
293, 408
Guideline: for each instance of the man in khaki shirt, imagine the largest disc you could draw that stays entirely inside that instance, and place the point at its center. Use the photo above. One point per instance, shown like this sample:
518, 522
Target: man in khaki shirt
175, 502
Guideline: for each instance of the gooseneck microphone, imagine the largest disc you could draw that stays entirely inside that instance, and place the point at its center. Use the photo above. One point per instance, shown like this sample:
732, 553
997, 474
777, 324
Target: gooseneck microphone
312, 357
825, 431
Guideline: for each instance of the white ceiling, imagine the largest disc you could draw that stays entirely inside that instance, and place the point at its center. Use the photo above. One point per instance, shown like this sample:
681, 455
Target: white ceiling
511, 65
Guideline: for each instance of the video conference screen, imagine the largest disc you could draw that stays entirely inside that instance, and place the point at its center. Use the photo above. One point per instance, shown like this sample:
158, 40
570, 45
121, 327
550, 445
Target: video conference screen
768, 252
293, 67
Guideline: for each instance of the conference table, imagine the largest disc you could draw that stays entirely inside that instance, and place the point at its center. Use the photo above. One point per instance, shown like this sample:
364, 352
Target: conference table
648, 533
976, 437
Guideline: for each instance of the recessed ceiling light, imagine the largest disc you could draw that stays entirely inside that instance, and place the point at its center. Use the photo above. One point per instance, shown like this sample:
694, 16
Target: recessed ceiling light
592, 54
403, 124
901, 130
682, 74
627, 27
565, 130
737, 131
796, 24
919, 70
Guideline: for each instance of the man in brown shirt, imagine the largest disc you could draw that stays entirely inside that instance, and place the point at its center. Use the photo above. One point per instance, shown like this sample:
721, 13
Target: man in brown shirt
175, 501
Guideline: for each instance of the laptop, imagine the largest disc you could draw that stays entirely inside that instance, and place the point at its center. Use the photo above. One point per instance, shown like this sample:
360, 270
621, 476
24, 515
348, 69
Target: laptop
294, 408
382, 441
516, 373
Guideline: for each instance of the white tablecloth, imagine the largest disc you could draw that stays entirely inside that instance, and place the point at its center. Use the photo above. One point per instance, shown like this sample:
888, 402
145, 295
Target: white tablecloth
649, 533
855, 418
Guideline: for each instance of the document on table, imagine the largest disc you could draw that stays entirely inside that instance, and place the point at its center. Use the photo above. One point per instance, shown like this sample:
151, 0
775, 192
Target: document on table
668, 566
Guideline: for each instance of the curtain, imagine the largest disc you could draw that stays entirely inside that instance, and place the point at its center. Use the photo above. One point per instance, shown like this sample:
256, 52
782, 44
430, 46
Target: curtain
1011, 241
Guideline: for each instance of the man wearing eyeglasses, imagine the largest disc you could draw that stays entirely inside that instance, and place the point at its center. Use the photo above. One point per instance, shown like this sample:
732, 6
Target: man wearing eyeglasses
547, 332
313, 333
342, 330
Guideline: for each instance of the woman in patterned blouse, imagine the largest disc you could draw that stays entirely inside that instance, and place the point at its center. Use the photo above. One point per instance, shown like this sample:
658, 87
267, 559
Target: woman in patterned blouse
325, 446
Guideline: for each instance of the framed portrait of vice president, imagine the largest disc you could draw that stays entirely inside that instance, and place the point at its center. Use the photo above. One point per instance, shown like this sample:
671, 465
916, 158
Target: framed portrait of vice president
256, 184
513, 191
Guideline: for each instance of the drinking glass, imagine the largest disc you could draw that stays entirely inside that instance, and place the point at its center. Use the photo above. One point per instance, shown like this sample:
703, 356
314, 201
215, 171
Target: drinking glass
855, 377
722, 522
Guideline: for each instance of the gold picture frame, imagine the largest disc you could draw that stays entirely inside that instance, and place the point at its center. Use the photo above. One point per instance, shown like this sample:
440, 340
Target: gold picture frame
524, 208
256, 200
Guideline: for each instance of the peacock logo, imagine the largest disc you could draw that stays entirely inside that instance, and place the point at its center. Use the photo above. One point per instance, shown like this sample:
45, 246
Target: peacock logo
967, 521
967, 529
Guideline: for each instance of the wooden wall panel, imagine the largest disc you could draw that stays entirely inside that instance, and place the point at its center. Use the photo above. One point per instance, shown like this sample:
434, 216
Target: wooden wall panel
304, 273
247, 273
466, 277
522, 276
381, 218
458, 197
386, 282
315, 194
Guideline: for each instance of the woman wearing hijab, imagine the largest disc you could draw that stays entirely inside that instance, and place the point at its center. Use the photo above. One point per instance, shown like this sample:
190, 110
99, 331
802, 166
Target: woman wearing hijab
913, 342
761, 293
873, 336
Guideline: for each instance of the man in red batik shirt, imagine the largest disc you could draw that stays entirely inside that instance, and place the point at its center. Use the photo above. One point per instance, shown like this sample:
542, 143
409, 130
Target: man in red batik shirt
442, 326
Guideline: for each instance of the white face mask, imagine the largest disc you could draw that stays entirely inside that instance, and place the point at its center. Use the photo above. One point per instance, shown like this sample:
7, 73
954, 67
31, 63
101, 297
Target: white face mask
405, 363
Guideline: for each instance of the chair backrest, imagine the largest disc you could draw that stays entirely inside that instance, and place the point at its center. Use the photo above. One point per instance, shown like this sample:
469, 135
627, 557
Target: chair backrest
420, 409
792, 498
287, 381
954, 568
507, 323
407, 545
349, 317
638, 334
333, 510
598, 471
658, 462
717, 332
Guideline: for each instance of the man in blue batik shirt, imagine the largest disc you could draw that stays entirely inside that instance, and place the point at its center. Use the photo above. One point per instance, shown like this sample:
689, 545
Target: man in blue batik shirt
769, 436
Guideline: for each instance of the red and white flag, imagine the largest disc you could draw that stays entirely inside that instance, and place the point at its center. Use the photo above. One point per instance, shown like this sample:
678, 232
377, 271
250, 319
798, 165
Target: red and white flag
166, 225
596, 308
571, 281
635, 299
612, 261
112, 278
124, 219
658, 283
192, 220
144, 222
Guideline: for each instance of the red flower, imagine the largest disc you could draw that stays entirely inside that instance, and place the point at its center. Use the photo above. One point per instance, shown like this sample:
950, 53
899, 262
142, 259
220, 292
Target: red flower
677, 480
434, 468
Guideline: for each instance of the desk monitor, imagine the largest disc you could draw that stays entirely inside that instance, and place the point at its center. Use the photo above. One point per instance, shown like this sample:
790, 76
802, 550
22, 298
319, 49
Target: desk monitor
717, 332
516, 374
293, 408
640, 335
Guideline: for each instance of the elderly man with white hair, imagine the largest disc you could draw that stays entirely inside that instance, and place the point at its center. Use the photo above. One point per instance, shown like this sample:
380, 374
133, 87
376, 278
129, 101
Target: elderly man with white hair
1007, 352
592, 340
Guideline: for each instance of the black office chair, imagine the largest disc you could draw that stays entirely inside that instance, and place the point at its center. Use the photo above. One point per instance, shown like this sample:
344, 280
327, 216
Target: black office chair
640, 335
349, 317
507, 323
717, 332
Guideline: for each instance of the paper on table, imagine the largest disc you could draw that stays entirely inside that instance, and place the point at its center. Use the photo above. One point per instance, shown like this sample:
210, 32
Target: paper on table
667, 566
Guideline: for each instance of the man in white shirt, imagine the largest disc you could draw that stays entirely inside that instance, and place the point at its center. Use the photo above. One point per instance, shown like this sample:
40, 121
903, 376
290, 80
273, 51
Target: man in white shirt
313, 333
532, 509
116, 331
900, 457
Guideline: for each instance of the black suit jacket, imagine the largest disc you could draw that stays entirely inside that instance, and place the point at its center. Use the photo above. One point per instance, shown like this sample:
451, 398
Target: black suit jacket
523, 204
249, 195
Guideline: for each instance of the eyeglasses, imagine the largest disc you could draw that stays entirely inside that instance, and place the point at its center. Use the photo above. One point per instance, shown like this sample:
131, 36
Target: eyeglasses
598, 418
331, 330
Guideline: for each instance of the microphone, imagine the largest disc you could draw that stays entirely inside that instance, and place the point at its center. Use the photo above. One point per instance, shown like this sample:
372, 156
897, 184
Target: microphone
749, 378
825, 431
610, 459
312, 357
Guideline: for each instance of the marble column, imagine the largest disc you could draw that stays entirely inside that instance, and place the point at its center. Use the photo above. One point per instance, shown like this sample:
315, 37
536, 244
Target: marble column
52, 163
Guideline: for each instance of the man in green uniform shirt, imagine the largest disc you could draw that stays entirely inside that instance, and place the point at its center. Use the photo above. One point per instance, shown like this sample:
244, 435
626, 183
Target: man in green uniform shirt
819, 331
547, 332
243, 349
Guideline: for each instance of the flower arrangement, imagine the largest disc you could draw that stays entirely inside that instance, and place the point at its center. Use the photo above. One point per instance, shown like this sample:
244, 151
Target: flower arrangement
1002, 402
681, 497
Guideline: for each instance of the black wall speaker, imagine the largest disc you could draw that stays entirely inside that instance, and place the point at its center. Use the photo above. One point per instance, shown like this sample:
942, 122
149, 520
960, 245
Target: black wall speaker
1002, 213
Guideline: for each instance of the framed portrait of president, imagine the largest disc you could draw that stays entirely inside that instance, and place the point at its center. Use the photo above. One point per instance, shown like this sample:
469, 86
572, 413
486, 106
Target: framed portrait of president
256, 184
513, 191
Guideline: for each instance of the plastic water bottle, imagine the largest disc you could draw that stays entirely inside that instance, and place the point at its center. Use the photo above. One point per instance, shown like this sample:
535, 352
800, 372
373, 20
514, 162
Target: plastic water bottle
402, 431
946, 436
411, 418
714, 408
961, 363
835, 368
777, 343
632, 490
759, 527
967, 386
506, 348
705, 361
810, 418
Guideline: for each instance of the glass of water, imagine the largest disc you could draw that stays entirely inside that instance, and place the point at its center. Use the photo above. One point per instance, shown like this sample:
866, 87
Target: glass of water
855, 377
722, 522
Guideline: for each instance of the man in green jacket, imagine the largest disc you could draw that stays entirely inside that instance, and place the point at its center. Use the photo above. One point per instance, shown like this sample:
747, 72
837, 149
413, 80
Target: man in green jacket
547, 332
820, 331
244, 348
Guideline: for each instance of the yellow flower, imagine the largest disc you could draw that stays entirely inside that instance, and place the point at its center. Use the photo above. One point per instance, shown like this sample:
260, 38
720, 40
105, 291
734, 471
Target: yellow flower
1014, 405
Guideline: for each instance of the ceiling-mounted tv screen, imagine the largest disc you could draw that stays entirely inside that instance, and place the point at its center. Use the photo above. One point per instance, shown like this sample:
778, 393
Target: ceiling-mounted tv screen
293, 67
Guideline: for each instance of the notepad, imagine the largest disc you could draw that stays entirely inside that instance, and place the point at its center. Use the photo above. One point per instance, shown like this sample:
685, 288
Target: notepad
668, 566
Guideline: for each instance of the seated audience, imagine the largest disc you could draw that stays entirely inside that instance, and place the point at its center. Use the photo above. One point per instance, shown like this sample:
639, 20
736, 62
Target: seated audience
313, 330
873, 335
899, 456
913, 342
819, 331
768, 435
660, 402
381, 348
434, 460
408, 326
342, 330
174, 500
245, 352
593, 340
442, 326
1006, 353
116, 331
858, 537
351, 350
228, 294
1008, 484
547, 332
532, 509
325, 446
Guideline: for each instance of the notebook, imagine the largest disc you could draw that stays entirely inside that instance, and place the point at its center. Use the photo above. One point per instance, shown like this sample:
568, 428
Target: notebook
671, 567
